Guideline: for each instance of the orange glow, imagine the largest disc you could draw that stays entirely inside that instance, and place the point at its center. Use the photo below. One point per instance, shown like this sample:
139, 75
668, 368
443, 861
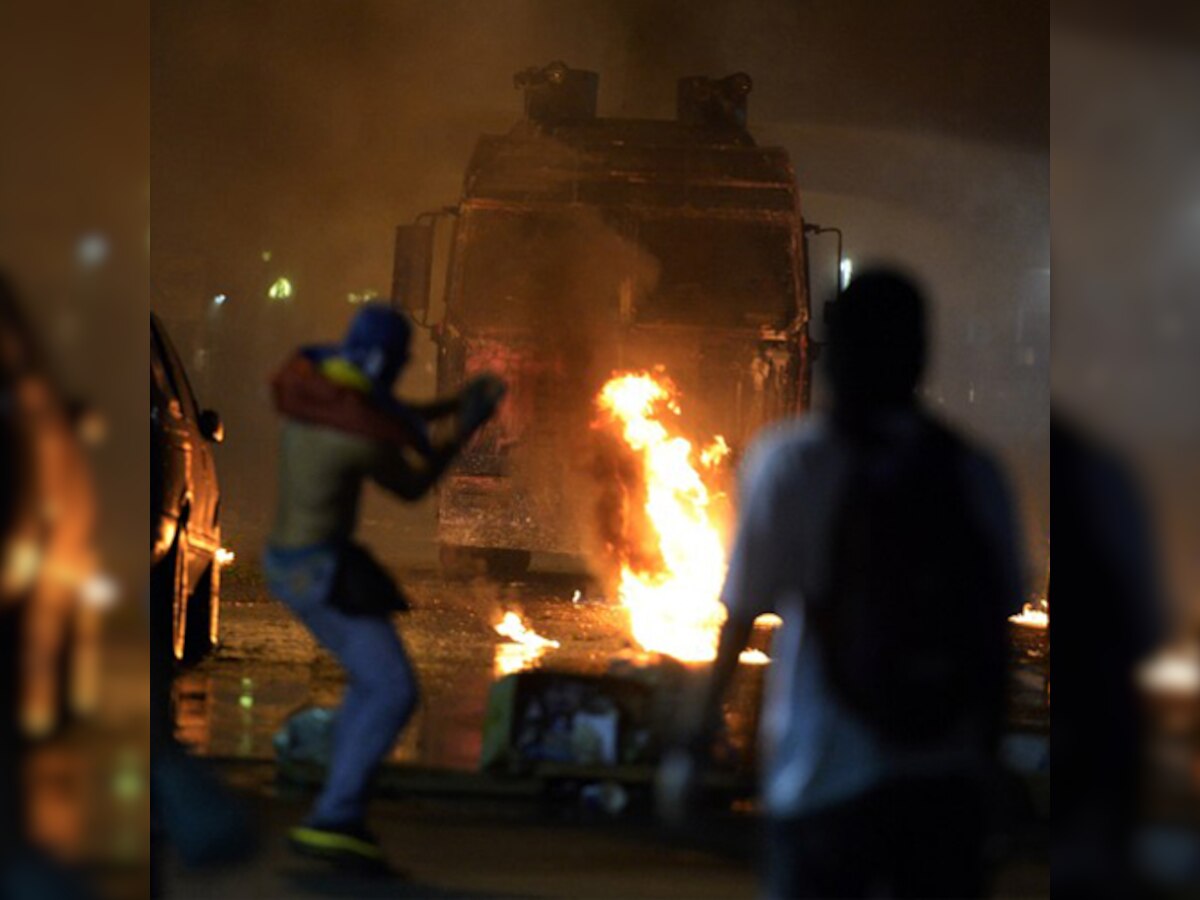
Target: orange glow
673, 606
1031, 617
715, 453
523, 648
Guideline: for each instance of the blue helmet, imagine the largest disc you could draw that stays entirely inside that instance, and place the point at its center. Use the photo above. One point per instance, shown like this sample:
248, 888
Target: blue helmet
377, 344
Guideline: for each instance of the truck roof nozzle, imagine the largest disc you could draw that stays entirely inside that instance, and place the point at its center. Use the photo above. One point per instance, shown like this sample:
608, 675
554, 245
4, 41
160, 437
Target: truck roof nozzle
714, 102
557, 94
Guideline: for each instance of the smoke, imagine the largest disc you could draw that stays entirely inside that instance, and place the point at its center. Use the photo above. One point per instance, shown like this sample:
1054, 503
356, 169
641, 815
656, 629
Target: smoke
565, 273
309, 130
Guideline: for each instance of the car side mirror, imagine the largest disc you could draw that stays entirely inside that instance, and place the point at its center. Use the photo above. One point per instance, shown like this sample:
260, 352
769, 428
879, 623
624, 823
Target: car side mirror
211, 426
412, 269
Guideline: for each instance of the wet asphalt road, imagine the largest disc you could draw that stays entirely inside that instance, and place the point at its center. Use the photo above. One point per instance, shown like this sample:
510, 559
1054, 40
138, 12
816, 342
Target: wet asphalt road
269, 666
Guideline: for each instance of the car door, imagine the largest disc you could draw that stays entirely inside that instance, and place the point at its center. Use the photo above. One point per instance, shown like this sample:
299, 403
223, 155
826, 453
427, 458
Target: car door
181, 421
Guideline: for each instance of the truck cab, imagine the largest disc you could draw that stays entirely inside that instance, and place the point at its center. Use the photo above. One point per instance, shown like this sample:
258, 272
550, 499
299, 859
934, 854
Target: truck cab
583, 246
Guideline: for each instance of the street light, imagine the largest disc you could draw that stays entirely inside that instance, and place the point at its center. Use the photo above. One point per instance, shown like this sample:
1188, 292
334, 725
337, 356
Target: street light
92, 250
280, 290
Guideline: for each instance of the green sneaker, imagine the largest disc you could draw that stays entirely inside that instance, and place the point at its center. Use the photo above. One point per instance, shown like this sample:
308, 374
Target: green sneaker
344, 846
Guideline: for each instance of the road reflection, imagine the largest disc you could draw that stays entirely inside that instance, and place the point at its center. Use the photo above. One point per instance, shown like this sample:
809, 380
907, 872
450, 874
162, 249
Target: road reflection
269, 666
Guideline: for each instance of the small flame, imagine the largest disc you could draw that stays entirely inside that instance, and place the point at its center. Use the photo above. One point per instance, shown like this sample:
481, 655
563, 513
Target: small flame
715, 453
225, 557
523, 648
754, 658
1031, 616
513, 628
1175, 671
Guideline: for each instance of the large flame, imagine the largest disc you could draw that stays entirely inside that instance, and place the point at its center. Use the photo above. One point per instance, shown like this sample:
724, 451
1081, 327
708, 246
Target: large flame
673, 605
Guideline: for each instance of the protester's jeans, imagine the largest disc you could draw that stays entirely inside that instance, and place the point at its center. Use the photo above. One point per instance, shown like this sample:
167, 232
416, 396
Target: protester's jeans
382, 690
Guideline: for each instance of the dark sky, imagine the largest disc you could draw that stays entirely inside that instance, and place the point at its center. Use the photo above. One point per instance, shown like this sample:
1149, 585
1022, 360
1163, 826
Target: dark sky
276, 114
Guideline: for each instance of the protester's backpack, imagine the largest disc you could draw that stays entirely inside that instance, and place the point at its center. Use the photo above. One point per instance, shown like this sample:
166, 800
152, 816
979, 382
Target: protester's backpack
904, 628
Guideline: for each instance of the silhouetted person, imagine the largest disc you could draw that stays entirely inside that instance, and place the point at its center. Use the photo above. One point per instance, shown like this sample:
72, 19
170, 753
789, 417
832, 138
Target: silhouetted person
1101, 530
343, 427
888, 547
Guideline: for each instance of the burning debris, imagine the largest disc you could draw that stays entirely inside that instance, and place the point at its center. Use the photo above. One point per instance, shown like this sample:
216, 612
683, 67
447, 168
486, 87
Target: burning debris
523, 647
1032, 615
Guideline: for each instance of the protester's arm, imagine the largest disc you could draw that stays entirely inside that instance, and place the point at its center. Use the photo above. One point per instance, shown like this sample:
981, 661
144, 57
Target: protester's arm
735, 634
749, 591
1123, 529
1004, 593
410, 474
752, 581
679, 780
484, 388
993, 510
438, 408
749, 586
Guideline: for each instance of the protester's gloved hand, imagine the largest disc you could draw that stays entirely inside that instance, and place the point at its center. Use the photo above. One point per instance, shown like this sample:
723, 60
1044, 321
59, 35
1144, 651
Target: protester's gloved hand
480, 399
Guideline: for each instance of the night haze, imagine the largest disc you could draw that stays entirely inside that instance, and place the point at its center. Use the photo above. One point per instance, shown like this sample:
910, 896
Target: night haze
309, 132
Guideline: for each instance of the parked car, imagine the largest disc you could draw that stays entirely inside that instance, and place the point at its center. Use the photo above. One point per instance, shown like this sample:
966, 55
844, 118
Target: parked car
185, 503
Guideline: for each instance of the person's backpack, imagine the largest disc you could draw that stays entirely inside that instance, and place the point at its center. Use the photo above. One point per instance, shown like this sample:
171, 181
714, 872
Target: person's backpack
904, 627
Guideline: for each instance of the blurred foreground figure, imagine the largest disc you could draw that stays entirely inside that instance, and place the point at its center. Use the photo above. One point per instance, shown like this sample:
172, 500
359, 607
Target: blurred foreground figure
48, 562
47, 558
1102, 529
344, 427
887, 545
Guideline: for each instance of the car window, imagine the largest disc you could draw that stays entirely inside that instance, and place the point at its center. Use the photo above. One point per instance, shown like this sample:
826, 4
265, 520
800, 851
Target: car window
158, 370
169, 359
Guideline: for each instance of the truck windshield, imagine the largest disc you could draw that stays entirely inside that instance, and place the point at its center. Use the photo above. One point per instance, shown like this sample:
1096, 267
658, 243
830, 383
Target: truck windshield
719, 272
522, 268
